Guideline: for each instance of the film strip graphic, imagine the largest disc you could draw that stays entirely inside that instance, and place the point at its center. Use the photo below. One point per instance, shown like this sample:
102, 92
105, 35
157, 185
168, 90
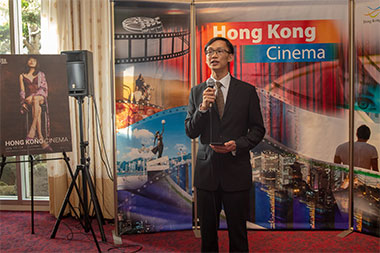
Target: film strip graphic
166, 40
268, 94
128, 101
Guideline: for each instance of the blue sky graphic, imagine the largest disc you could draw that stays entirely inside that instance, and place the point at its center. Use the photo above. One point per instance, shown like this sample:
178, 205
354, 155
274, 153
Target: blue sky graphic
137, 140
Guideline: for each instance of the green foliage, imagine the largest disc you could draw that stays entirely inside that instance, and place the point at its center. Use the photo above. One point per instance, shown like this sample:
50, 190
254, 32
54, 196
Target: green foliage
9, 190
31, 26
8, 178
9, 174
4, 30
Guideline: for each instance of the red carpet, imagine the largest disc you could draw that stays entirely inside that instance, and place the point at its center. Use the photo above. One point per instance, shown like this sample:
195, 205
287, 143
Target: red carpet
15, 236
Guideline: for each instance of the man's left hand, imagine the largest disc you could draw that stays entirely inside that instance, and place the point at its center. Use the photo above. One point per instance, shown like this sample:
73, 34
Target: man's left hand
227, 147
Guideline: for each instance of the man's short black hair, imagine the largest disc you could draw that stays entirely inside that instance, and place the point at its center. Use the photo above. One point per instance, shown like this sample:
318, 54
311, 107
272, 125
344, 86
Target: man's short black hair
363, 132
228, 43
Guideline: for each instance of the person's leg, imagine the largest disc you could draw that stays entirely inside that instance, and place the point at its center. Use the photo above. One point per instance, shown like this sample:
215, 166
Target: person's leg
36, 114
209, 207
160, 150
236, 207
38, 102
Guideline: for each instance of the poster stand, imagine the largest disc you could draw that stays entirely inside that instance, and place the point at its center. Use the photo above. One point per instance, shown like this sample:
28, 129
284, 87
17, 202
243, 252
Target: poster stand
351, 61
32, 161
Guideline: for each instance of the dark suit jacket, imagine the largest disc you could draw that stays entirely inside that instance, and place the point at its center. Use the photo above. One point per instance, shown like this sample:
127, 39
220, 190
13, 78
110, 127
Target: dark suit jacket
242, 121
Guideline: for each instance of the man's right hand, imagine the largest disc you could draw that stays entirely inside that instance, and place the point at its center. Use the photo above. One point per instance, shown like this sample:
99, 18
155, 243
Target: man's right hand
208, 98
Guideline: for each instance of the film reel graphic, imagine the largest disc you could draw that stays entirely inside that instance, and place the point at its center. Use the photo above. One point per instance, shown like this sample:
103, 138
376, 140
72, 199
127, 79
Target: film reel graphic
142, 25
142, 31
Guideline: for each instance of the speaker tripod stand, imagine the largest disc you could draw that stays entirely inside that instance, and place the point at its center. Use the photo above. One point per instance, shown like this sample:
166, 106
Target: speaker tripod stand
82, 168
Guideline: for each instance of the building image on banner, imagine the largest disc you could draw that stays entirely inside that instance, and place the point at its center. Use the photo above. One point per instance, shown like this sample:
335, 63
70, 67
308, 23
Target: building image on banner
152, 68
34, 114
298, 63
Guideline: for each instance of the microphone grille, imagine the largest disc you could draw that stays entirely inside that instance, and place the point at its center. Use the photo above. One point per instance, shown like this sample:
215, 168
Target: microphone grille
210, 82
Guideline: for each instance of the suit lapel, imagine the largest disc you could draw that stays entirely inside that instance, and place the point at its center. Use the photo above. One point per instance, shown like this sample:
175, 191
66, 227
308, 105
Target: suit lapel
231, 95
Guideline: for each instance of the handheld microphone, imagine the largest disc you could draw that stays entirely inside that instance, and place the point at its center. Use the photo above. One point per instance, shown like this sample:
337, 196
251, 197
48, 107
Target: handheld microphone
210, 83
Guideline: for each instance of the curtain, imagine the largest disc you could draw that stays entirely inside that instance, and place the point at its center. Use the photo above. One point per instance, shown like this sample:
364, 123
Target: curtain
84, 25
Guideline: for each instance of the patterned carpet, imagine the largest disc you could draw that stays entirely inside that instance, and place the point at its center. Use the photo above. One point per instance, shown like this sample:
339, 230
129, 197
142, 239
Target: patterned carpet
15, 236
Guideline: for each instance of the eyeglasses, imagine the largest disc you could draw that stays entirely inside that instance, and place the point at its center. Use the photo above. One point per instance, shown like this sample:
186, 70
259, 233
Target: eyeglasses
218, 51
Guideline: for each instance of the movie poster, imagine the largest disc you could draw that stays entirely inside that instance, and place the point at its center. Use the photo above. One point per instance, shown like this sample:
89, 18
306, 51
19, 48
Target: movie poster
152, 73
34, 109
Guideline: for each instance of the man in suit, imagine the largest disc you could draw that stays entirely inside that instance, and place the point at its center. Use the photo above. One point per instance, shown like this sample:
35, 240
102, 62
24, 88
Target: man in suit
223, 173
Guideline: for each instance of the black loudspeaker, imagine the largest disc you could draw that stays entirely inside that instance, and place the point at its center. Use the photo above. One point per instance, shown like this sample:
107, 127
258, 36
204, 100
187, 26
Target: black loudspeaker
80, 73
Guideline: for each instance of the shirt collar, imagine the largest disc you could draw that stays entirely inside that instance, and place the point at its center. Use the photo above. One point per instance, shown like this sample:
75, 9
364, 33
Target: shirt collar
225, 80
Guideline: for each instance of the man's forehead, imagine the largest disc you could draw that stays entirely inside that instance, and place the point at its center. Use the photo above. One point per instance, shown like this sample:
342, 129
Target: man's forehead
218, 44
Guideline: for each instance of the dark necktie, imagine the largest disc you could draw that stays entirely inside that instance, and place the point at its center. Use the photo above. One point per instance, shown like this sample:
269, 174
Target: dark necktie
219, 99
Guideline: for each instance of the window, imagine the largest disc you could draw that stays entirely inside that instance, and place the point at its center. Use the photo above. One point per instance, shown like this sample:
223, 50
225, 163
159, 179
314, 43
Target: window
20, 32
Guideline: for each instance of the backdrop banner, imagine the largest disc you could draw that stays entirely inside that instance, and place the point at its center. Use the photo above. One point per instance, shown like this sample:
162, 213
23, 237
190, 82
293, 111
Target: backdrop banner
367, 112
34, 105
152, 86
295, 54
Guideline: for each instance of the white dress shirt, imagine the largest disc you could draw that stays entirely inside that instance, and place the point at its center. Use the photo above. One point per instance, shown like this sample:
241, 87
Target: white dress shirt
225, 81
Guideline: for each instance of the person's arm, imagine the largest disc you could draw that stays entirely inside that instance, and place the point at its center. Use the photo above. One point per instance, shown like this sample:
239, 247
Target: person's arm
196, 121
163, 129
374, 157
24, 107
22, 89
42, 85
374, 164
256, 129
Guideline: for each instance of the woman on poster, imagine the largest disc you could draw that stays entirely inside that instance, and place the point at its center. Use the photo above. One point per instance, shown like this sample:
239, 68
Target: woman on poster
33, 95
